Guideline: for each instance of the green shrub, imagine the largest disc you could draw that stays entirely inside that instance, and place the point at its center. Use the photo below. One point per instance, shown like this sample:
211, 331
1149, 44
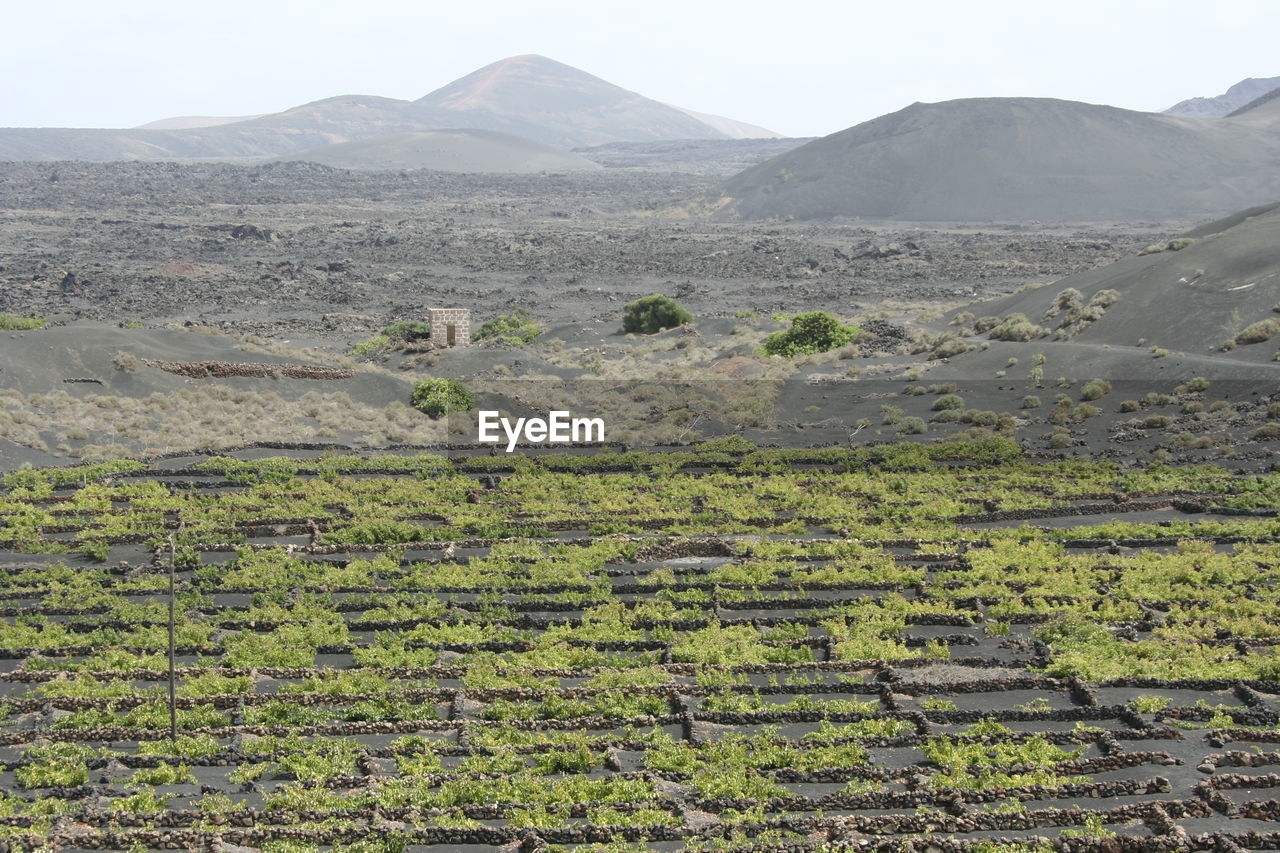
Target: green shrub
438, 397
1031, 401
985, 324
652, 314
1187, 440
948, 401
1175, 245
18, 323
376, 532
1259, 332
1069, 299
811, 332
407, 330
1130, 406
1199, 383
1095, 389
981, 417
515, 328
947, 346
98, 551
370, 346
1267, 432
912, 426
1014, 327
1060, 441
1104, 298
727, 444
400, 332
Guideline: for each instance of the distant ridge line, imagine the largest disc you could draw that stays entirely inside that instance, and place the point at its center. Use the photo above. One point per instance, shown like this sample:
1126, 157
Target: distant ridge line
1255, 103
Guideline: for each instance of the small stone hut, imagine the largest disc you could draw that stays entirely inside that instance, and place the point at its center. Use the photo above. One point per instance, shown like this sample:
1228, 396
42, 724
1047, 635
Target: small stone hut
450, 327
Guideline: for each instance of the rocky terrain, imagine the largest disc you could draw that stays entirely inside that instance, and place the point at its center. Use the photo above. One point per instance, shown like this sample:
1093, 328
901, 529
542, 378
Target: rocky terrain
295, 248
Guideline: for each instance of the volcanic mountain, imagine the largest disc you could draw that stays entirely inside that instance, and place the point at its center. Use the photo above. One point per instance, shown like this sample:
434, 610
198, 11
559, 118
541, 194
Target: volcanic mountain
529, 96
539, 98
1016, 159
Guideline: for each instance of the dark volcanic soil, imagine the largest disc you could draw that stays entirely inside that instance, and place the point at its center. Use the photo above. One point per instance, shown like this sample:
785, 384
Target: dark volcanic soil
296, 248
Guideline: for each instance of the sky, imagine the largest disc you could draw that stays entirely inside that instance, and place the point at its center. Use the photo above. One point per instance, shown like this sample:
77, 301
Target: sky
799, 67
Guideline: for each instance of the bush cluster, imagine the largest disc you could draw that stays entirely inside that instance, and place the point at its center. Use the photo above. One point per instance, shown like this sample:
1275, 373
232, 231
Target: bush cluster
1263, 330
438, 397
652, 314
1014, 327
18, 323
517, 328
810, 333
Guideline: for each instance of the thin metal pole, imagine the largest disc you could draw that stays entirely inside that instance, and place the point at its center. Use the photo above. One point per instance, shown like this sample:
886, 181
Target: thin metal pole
173, 693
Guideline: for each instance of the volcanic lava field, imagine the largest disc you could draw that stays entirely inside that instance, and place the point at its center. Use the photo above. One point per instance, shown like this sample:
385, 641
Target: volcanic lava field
952, 646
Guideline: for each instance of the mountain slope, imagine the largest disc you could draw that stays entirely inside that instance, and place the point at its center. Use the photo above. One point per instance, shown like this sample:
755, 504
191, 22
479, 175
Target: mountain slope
193, 122
542, 99
1231, 100
447, 151
1266, 107
1019, 159
731, 128
323, 122
1193, 299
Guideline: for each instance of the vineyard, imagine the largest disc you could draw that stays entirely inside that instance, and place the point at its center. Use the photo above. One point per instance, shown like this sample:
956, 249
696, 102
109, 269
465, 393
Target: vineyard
947, 647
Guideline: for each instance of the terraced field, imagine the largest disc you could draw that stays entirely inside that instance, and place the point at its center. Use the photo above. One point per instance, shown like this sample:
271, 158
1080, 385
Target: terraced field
916, 647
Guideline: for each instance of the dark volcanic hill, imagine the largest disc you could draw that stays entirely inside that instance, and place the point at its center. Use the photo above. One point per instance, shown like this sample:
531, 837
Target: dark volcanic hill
448, 151
529, 96
1228, 102
1224, 279
1016, 159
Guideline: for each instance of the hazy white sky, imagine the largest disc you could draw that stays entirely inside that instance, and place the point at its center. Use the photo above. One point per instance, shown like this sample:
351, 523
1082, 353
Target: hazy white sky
800, 67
